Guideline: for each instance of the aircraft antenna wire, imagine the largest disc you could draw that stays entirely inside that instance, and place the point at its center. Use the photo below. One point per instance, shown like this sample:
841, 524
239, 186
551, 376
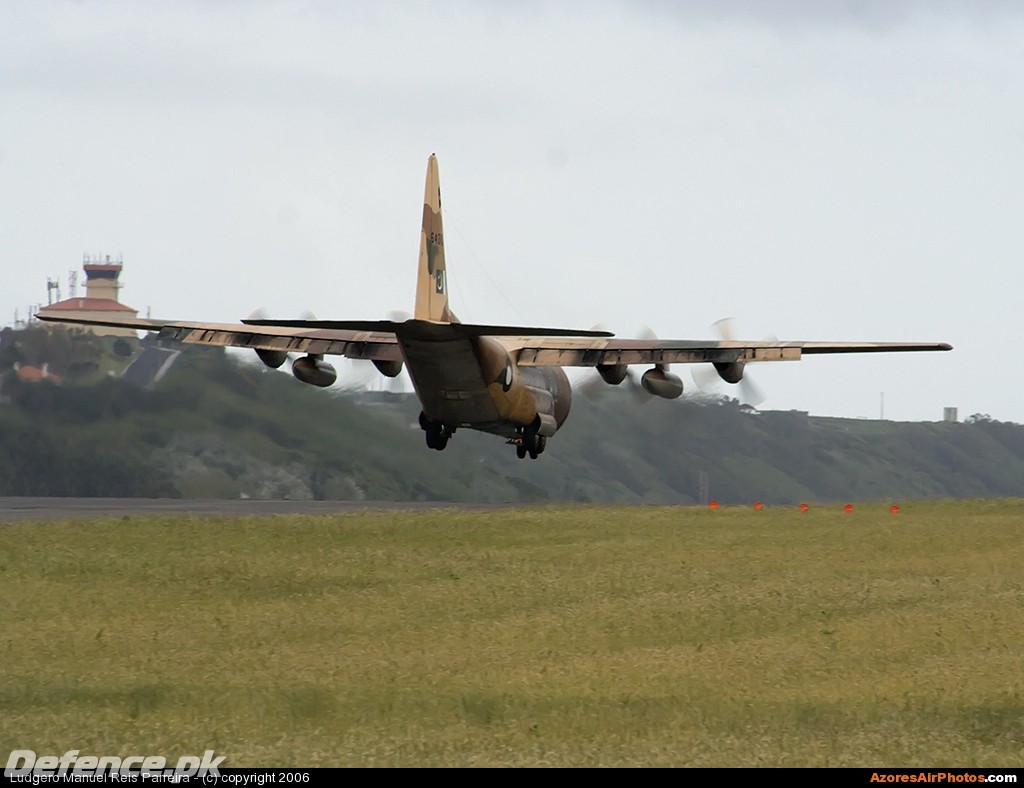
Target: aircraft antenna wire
448, 219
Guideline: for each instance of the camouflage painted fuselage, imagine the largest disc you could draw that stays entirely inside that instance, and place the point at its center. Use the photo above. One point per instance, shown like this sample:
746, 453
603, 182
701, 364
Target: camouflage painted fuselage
471, 381
475, 383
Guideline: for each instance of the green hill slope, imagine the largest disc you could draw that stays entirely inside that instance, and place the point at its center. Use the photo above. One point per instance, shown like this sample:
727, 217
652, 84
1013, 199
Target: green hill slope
217, 427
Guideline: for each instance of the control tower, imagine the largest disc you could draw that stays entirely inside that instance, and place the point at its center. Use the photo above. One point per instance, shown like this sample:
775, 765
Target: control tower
101, 293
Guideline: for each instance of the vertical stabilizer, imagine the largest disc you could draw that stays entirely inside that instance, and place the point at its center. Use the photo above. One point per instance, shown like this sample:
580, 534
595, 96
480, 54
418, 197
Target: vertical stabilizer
431, 282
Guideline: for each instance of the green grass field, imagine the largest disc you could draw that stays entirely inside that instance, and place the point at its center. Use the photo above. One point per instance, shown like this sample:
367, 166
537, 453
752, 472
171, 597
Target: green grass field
569, 636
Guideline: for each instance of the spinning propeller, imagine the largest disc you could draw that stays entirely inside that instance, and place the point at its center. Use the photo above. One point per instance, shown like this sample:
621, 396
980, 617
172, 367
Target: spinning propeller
308, 368
655, 381
593, 386
274, 358
708, 377
362, 375
377, 376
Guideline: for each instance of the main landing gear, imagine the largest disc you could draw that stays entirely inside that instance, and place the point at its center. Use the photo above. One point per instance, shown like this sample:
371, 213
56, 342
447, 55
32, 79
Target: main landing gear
437, 433
527, 441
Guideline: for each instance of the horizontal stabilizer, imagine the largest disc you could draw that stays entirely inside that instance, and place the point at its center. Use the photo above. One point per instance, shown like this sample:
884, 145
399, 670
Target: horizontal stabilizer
809, 348
337, 325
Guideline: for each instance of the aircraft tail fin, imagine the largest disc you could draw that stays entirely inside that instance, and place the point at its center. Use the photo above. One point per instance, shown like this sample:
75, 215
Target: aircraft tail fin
431, 281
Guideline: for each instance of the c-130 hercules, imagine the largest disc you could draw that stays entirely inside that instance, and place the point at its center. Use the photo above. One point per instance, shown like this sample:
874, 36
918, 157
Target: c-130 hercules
504, 380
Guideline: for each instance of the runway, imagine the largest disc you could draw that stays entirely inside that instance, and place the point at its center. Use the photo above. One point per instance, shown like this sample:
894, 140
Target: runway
45, 509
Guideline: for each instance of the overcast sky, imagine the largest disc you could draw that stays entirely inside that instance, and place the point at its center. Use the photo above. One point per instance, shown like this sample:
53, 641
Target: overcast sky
817, 170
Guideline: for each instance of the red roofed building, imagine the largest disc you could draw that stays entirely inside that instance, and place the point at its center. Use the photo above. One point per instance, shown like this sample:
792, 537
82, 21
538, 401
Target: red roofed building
32, 374
101, 288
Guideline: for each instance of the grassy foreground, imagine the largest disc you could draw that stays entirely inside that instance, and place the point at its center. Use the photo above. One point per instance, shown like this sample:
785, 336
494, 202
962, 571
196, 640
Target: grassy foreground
568, 636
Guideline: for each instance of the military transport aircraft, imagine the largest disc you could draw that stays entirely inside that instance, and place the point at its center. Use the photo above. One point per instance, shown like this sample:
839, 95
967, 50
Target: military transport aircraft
505, 380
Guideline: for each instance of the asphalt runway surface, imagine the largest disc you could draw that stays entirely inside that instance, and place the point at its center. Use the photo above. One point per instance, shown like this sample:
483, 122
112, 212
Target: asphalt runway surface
44, 509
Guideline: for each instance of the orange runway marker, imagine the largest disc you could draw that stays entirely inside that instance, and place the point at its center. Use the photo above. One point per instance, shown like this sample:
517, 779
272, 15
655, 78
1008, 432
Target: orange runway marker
713, 505
848, 508
758, 506
804, 507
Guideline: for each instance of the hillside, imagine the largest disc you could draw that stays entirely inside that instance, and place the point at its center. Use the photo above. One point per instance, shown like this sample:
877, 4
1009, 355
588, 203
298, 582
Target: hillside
217, 427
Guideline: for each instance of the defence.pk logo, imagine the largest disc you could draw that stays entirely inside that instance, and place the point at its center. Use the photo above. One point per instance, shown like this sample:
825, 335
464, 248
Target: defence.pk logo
25, 764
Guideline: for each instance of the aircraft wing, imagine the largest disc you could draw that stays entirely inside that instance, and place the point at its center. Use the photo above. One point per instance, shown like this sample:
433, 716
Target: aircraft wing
378, 340
359, 339
571, 352
375, 340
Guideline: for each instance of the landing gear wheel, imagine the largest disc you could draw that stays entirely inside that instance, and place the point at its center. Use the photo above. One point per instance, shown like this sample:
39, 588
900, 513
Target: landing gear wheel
530, 443
437, 434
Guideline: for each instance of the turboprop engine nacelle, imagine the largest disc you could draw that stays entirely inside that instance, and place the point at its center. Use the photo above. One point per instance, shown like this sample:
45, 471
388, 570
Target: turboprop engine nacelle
661, 383
391, 369
272, 358
731, 372
612, 373
314, 371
